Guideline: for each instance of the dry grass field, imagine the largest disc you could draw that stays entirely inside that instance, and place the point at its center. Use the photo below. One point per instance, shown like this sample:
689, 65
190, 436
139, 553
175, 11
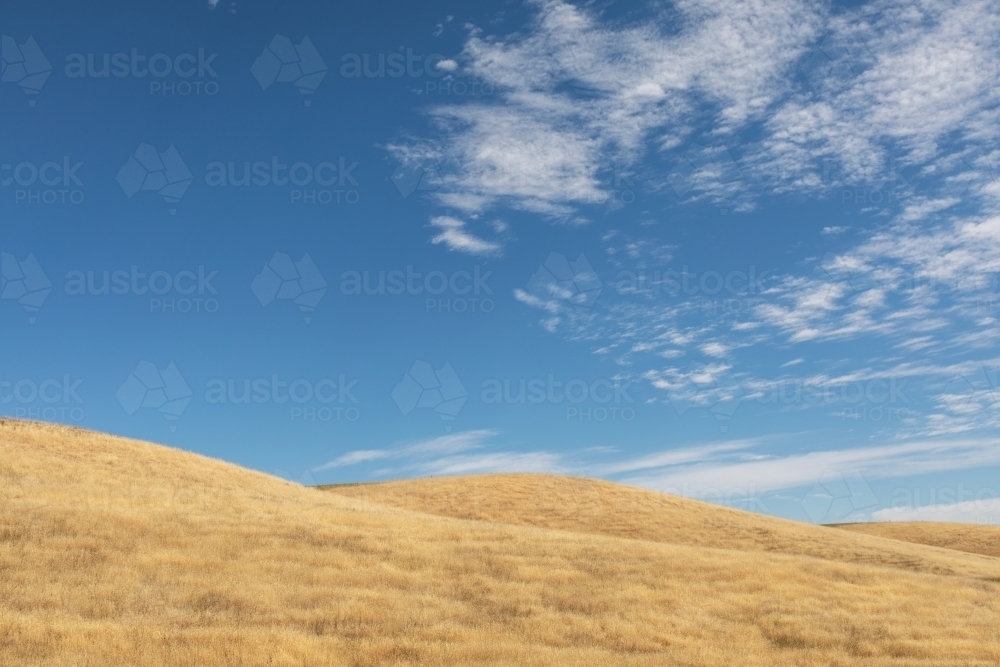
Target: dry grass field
121, 553
970, 538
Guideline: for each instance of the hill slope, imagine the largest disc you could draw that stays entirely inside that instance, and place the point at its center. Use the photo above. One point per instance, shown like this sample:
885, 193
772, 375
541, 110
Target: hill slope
969, 538
602, 508
114, 552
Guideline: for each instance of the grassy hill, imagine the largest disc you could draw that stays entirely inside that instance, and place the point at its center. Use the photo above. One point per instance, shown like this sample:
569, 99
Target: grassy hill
601, 508
969, 538
115, 552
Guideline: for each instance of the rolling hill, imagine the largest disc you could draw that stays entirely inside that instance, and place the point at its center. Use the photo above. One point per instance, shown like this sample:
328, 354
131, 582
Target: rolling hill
117, 552
969, 538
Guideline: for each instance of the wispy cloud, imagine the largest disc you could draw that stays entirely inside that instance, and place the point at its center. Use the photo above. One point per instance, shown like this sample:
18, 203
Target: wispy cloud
539, 462
576, 98
462, 453
787, 472
442, 445
679, 457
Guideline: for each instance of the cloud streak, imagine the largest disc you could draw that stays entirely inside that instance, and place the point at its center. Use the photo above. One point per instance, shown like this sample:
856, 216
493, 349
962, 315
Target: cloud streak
440, 446
788, 472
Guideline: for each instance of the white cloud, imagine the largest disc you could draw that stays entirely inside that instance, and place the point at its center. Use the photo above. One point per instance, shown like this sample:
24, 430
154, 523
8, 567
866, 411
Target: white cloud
497, 462
985, 512
714, 349
786, 472
676, 457
443, 445
454, 235
575, 98
454, 454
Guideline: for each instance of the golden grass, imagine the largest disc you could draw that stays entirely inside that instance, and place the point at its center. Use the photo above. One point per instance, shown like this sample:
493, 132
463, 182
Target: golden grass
114, 552
596, 507
970, 538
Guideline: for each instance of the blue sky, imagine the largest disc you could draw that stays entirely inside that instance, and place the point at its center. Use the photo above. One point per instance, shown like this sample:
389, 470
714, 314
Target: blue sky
743, 251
